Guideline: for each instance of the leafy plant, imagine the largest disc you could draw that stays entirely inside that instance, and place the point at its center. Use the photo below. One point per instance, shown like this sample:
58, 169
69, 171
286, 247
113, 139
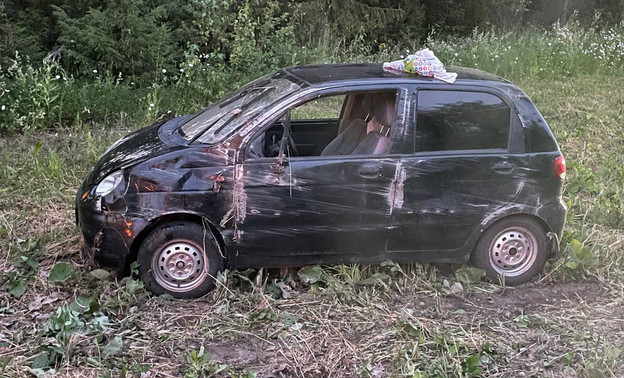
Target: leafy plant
311, 274
579, 259
80, 317
198, 364
31, 96
25, 267
61, 272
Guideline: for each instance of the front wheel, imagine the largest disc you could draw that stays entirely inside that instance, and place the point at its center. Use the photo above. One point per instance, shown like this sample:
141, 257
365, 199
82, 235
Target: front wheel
515, 247
181, 259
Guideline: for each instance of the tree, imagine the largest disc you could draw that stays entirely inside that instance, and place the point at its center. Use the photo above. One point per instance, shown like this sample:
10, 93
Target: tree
126, 36
366, 23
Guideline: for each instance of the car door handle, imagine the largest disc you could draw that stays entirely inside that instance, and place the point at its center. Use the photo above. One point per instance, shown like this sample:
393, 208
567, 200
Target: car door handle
504, 167
370, 171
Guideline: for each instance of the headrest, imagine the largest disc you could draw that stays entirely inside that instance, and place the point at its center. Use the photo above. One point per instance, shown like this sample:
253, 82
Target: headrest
383, 107
368, 99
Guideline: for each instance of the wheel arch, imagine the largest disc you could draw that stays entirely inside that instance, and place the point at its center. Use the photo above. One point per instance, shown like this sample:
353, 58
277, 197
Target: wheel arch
532, 216
172, 217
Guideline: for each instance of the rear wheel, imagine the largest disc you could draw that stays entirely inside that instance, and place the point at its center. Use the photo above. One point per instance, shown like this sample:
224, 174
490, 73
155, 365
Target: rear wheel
181, 259
515, 247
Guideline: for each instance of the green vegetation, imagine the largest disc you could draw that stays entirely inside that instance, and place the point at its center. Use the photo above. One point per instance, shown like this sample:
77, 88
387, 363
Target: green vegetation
101, 62
58, 313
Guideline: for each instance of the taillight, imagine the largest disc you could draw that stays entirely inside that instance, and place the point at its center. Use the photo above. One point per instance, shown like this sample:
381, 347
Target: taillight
560, 167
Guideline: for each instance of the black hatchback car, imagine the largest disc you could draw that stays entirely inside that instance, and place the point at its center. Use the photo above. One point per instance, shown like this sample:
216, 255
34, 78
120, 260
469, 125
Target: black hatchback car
325, 164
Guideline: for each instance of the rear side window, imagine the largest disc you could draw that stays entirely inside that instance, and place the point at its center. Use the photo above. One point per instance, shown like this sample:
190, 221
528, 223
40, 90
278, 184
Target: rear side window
461, 120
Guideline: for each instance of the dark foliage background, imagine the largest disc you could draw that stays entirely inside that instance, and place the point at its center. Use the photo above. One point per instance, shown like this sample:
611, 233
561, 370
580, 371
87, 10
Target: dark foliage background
94, 62
140, 37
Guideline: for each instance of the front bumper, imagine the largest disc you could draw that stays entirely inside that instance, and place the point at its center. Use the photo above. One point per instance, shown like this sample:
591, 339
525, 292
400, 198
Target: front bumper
108, 236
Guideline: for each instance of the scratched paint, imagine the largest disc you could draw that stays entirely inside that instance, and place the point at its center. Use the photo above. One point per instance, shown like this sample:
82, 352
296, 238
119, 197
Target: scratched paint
397, 188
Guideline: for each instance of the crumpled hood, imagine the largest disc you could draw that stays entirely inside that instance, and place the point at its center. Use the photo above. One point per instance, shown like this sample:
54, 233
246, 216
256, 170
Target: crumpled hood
135, 148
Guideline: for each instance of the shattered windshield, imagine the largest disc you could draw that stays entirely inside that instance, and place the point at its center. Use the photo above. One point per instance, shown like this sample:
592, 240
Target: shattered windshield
217, 121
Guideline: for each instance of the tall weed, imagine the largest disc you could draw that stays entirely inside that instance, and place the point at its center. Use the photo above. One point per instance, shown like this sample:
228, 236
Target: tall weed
31, 97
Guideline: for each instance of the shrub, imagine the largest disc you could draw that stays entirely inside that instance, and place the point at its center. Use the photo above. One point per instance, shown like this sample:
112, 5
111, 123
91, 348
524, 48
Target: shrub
31, 97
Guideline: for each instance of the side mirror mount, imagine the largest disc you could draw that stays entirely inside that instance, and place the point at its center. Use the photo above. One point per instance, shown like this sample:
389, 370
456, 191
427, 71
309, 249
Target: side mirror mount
282, 161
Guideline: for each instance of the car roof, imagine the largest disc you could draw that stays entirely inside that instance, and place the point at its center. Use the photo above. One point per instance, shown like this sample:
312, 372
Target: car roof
319, 74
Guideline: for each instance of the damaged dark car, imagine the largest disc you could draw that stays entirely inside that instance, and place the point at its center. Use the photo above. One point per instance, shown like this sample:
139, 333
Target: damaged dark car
329, 164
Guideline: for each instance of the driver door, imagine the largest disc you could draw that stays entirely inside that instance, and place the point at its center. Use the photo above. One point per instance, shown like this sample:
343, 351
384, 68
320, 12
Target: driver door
316, 209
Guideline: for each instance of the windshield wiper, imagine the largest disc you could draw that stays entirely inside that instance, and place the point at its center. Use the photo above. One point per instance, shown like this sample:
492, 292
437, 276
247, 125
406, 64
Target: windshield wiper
235, 111
244, 93
247, 104
241, 108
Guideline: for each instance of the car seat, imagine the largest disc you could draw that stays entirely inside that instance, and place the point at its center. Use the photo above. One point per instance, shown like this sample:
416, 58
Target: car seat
352, 135
377, 142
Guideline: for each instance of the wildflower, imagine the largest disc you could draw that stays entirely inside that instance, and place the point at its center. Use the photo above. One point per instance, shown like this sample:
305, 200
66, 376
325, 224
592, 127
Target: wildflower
151, 105
94, 71
58, 77
164, 70
456, 54
190, 65
549, 44
181, 69
3, 107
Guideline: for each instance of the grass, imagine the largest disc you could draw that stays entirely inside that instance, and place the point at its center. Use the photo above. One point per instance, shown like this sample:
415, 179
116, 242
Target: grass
371, 320
59, 313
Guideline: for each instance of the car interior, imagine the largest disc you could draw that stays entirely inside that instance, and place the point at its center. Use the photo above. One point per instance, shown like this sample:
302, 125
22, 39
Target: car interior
353, 124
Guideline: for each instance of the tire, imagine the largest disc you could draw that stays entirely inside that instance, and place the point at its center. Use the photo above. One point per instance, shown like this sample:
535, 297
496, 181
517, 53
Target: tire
181, 259
515, 247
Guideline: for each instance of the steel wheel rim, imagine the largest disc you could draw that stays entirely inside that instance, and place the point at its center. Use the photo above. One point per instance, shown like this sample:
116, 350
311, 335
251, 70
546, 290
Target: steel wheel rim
513, 251
180, 266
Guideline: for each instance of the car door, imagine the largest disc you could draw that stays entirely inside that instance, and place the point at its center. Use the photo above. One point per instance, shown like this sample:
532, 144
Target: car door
318, 209
466, 162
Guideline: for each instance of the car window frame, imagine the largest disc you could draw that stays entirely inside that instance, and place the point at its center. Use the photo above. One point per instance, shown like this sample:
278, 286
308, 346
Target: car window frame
515, 139
273, 115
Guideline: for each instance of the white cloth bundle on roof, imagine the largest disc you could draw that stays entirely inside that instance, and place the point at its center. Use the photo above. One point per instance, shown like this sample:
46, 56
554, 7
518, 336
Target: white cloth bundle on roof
425, 63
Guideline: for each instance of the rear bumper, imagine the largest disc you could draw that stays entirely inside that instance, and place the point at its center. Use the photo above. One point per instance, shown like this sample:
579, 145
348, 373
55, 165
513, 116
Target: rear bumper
553, 245
554, 214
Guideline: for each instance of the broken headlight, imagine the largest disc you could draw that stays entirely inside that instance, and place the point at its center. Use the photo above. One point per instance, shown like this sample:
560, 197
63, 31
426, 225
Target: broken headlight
109, 183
